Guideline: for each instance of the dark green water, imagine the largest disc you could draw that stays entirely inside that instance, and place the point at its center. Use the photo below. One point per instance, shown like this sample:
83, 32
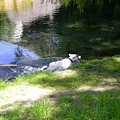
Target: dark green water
66, 31
71, 32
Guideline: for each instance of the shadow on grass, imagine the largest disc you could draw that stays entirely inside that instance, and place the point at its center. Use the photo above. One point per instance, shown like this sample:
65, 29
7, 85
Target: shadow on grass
87, 105
89, 91
62, 80
108, 67
92, 73
71, 105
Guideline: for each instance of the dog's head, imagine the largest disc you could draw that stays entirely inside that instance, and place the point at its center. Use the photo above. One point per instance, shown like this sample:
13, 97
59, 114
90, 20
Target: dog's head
74, 57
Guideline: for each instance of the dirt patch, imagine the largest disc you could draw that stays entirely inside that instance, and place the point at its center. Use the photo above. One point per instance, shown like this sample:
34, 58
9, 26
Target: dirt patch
21, 94
27, 94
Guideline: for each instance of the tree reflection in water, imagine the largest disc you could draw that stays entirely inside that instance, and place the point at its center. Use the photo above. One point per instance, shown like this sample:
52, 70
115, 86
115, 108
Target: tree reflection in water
90, 29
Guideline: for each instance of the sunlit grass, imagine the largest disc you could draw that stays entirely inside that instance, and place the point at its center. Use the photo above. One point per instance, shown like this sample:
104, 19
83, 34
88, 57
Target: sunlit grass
74, 106
90, 73
89, 91
39, 111
104, 66
88, 106
61, 80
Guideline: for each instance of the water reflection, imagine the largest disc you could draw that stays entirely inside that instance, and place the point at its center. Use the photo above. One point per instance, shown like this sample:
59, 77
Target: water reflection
22, 12
41, 36
49, 29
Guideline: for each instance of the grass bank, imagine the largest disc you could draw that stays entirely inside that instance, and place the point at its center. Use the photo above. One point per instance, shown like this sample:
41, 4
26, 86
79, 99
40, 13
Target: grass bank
89, 91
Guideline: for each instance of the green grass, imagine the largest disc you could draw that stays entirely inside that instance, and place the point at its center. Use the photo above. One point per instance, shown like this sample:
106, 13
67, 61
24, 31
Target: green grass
40, 111
76, 94
89, 106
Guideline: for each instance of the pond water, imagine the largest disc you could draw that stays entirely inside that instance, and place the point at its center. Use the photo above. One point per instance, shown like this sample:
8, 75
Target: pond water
48, 29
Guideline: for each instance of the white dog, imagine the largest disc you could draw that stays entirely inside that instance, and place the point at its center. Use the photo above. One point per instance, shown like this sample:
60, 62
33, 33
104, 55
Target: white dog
62, 64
